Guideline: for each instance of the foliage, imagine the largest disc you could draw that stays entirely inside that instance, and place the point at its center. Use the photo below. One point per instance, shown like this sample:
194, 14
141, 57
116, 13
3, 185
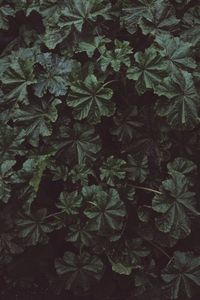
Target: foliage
99, 148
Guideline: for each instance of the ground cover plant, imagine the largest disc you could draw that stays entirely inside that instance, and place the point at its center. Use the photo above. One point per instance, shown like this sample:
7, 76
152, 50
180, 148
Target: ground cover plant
100, 148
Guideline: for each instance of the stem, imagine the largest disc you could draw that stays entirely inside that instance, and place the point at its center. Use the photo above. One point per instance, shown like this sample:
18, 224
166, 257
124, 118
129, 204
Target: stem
53, 215
147, 189
107, 83
160, 249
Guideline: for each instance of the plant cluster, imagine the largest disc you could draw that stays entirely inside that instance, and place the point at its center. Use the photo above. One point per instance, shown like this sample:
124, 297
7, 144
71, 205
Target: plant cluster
100, 147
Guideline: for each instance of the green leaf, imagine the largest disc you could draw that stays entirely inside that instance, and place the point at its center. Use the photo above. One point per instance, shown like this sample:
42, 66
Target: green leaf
19, 75
182, 165
5, 12
182, 110
181, 274
177, 53
53, 76
175, 204
69, 203
117, 57
106, 210
79, 271
161, 17
137, 168
78, 141
133, 12
126, 124
191, 26
37, 119
33, 228
76, 13
39, 165
81, 233
11, 140
98, 43
90, 99
112, 169
54, 35
148, 70
5, 174
9, 246
120, 268
59, 172
80, 173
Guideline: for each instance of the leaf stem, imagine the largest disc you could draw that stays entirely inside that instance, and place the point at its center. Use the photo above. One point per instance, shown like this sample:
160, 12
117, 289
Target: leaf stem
107, 83
160, 249
53, 215
147, 189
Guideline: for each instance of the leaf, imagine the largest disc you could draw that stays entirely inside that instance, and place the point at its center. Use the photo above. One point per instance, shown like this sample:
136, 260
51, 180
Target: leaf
33, 228
106, 210
9, 246
11, 140
182, 274
191, 26
182, 165
69, 203
98, 43
177, 52
133, 12
37, 119
79, 142
39, 165
5, 12
77, 12
59, 172
5, 174
79, 271
117, 57
80, 173
53, 75
112, 169
54, 35
126, 124
120, 268
175, 204
182, 110
137, 168
148, 70
19, 75
80, 233
90, 99
161, 17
